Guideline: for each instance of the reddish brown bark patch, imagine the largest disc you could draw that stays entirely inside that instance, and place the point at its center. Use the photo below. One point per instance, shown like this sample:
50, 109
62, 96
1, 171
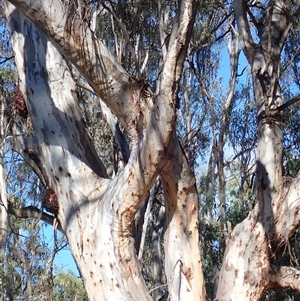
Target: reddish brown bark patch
19, 103
50, 201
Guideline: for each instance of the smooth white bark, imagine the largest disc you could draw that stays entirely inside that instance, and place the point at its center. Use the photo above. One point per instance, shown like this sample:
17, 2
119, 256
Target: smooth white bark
97, 213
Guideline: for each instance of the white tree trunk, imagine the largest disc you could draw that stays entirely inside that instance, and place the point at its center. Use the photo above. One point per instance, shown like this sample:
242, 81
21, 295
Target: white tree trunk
3, 209
97, 213
248, 268
182, 235
102, 250
3, 220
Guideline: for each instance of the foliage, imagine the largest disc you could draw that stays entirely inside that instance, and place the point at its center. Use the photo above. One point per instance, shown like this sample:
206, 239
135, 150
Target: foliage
68, 287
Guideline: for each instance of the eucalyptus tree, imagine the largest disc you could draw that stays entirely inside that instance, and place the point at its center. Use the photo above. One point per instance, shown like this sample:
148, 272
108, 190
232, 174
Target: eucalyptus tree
131, 56
249, 265
97, 213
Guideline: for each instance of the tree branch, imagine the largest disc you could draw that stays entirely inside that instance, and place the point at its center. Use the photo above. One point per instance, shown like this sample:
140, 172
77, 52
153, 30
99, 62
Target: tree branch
6, 59
244, 29
79, 44
285, 277
177, 47
32, 212
285, 105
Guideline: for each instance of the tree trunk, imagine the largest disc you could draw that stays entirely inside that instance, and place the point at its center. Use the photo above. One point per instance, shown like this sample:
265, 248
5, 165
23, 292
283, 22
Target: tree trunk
184, 273
3, 210
3, 199
104, 255
3, 196
97, 213
252, 247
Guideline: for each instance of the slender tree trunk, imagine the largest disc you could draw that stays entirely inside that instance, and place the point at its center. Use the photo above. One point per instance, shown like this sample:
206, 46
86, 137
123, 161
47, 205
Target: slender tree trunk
3, 200
157, 259
3, 223
3, 196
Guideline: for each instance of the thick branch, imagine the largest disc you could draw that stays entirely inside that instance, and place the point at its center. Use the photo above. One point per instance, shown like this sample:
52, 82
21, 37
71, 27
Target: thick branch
285, 277
280, 25
32, 212
79, 44
177, 48
244, 29
182, 228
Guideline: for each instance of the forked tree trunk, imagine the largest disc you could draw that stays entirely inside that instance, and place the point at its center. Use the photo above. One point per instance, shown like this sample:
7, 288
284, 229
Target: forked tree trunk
97, 213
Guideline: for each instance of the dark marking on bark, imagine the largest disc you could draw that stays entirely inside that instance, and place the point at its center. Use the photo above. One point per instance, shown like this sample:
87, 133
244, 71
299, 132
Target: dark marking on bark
91, 274
56, 178
60, 168
68, 175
